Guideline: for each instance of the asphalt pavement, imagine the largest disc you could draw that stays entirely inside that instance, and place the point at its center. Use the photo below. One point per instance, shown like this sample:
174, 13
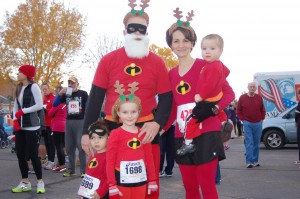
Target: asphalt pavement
277, 177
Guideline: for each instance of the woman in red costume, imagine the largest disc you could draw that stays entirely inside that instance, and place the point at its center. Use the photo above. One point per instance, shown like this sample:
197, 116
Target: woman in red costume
198, 169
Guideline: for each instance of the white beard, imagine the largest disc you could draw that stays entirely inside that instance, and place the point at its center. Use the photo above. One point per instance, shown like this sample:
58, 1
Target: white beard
136, 48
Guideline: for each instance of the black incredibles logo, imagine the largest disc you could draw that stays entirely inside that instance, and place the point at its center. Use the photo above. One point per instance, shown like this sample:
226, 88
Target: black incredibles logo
133, 70
134, 143
183, 88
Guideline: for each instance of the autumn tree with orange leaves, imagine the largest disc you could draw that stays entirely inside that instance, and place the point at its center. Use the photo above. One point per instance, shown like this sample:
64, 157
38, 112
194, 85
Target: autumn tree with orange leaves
43, 34
166, 54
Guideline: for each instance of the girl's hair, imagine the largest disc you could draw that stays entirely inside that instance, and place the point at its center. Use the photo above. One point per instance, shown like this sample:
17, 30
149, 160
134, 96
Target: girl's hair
19, 87
119, 102
188, 34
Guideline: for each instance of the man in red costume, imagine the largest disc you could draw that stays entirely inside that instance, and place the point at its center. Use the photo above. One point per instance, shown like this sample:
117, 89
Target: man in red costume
131, 63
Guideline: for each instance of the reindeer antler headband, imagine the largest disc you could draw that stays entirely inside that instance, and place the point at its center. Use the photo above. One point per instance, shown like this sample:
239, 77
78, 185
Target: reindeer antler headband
140, 13
183, 24
126, 98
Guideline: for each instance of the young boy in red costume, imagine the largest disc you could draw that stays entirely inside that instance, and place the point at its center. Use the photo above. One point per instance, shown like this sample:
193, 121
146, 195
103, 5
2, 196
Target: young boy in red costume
129, 162
209, 89
94, 184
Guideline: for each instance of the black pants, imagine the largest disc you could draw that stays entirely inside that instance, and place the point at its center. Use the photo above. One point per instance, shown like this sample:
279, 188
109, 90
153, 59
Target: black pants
49, 143
298, 139
27, 144
167, 150
59, 142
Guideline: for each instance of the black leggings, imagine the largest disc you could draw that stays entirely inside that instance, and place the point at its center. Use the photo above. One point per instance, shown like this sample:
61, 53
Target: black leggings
49, 143
59, 142
27, 144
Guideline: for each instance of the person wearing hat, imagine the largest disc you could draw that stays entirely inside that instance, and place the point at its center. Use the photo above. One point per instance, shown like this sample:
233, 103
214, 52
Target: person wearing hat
27, 126
75, 103
95, 172
132, 63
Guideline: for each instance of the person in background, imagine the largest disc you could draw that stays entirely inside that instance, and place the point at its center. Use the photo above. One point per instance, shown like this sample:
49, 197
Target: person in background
198, 169
297, 123
95, 173
133, 62
252, 112
58, 126
232, 117
48, 99
75, 103
129, 162
28, 103
239, 126
167, 152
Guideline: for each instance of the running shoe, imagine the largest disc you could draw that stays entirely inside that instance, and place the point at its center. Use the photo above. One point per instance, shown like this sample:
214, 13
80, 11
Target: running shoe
49, 166
31, 170
59, 168
22, 187
82, 175
162, 174
40, 187
68, 173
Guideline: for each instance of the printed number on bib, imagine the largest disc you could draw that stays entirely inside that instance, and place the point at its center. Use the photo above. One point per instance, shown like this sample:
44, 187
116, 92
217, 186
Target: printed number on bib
132, 171
183, 112
88, 186
73, 107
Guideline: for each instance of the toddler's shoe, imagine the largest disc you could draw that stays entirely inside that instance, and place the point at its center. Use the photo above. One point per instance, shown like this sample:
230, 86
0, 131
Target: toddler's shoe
185, 149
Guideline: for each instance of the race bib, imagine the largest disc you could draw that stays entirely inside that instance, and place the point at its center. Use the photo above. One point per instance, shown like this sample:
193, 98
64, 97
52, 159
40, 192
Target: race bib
132, 171
183, 112
88, 186
73, 107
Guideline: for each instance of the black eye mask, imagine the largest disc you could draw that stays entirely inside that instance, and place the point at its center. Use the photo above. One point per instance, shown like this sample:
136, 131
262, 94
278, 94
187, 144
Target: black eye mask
133, 27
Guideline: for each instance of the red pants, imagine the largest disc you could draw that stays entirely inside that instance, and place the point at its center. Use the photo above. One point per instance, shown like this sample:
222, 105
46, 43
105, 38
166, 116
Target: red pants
202, 176
133, 192
192, 129
156, 159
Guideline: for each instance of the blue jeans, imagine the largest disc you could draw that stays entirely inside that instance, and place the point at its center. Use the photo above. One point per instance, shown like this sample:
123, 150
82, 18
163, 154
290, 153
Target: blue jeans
167, 150
252, 131
218, 175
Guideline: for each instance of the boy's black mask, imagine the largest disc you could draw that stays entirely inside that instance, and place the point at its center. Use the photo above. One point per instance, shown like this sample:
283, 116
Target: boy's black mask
133, 27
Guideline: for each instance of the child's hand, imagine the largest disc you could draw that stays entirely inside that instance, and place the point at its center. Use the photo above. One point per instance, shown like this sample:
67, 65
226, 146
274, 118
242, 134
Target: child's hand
152, 188
95, 196
198, 98
114, 192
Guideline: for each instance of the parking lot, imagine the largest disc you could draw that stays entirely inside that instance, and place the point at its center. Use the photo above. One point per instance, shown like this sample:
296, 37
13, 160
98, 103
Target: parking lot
277, 178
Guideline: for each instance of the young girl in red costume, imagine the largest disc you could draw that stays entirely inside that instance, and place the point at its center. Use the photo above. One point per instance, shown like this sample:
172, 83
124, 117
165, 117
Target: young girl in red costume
129, 162
94, 184
198, 169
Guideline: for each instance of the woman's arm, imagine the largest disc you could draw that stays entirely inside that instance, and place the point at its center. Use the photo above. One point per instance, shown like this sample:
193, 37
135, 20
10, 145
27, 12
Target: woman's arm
37, 95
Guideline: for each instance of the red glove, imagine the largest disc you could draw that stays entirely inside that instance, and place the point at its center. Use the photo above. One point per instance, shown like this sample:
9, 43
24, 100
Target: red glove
17, 126
19, 114
114, 192
152, 188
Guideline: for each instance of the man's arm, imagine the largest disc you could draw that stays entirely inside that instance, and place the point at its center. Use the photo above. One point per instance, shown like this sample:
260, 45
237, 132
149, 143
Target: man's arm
164, 108
92, 113
93, 106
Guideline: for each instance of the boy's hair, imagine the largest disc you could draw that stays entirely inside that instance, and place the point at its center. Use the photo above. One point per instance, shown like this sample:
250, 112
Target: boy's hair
217, 37
99, 127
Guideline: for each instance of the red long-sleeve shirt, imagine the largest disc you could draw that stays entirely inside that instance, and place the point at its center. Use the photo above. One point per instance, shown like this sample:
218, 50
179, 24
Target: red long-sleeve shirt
126, 146
251, 109
48, 100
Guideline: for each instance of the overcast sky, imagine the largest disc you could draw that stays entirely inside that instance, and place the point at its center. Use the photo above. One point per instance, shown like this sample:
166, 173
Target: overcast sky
259, 35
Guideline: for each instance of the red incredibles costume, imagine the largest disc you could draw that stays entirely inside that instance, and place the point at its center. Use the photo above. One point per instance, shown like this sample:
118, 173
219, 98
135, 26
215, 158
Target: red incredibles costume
129, 162
198, 169
209, 87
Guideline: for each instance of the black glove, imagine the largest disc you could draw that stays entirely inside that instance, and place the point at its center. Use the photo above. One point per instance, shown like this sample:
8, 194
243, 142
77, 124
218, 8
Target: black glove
204, 110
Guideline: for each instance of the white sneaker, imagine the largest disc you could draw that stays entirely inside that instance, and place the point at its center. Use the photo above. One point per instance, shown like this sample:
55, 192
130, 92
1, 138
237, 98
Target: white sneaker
40, 187
22, 187
45, 164
49, 166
